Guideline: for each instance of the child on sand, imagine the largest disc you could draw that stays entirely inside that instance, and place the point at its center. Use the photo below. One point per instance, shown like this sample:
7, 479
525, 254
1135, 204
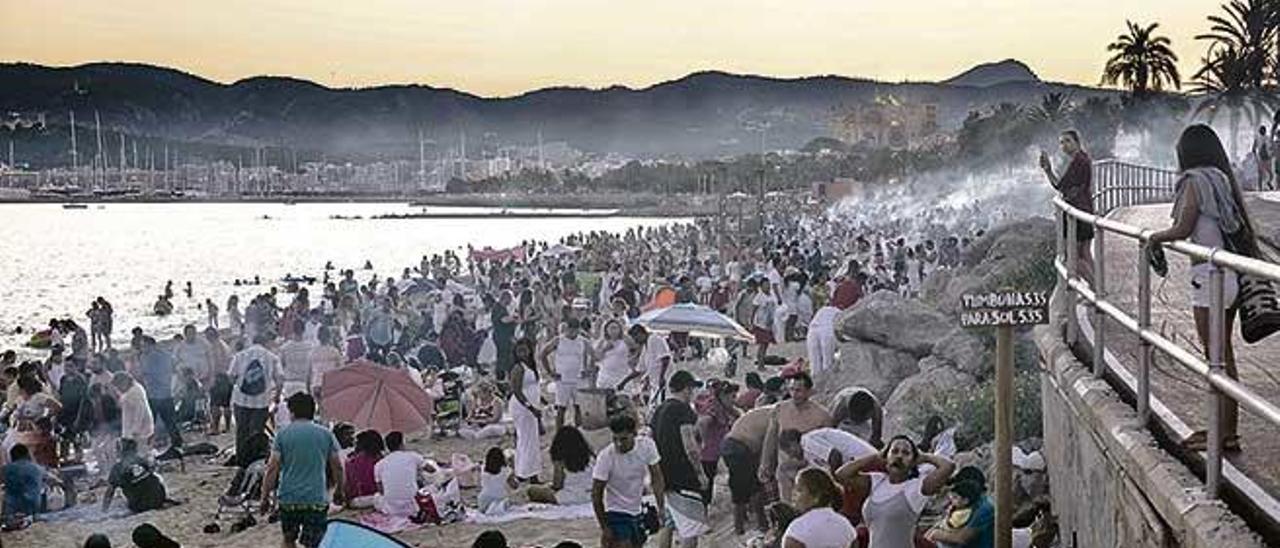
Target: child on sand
496, 483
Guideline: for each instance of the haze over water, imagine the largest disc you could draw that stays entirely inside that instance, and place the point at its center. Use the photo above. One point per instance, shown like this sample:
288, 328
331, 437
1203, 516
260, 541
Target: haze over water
56, 261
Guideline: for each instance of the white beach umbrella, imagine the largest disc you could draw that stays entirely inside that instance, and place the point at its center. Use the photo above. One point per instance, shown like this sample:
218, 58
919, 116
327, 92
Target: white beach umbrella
694, 319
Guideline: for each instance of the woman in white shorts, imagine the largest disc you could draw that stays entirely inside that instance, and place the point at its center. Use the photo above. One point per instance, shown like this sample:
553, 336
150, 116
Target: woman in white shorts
1209, 211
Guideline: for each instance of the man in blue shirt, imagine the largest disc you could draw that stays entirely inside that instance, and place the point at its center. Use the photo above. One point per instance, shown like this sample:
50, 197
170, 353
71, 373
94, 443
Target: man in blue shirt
304, 460
24, 482
157, 377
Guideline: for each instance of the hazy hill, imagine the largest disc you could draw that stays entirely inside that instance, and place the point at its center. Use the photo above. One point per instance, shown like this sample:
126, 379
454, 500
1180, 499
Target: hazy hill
703, 114
985, 75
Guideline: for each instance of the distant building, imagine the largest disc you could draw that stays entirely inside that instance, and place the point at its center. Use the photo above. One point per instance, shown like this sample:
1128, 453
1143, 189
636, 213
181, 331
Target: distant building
887, 121
839, 189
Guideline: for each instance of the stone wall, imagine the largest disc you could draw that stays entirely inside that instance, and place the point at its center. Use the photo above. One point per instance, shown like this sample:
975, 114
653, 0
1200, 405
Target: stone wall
1111, 484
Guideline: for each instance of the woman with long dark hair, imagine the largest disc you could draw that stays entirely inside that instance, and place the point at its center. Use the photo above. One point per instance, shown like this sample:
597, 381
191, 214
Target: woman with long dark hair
571, 457
1209, 210
817, 497
526, 411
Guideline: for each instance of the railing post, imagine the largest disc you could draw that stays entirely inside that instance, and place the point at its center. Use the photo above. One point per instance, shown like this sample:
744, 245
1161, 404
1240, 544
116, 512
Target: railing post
1213, 464
1073, 327
1099, 287
1144, 323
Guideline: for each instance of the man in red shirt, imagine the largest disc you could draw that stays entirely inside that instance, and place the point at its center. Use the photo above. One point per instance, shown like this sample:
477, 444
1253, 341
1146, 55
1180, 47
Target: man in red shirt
849, 290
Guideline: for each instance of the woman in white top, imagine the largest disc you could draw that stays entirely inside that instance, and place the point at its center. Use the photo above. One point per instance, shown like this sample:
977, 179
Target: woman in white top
614, 356
817, 496
572, 458
1209, 210
895, 499
526, 412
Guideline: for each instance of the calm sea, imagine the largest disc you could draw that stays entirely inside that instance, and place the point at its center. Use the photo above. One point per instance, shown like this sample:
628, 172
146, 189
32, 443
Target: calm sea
53, 261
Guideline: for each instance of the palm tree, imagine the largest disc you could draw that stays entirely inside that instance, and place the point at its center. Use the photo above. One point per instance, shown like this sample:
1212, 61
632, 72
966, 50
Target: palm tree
1226, 80
1054, 109
1143, 62
1248, 27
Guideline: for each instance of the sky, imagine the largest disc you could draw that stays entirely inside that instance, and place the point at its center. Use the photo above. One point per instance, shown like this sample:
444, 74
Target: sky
505, 47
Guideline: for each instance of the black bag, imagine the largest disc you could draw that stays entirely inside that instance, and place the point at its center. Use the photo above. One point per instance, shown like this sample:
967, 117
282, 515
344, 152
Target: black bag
255, 379
1257, 300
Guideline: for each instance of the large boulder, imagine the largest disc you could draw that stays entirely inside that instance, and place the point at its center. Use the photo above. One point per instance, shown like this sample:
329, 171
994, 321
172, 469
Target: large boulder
874, 367
966, 352
992, 260
919, 391
888, 319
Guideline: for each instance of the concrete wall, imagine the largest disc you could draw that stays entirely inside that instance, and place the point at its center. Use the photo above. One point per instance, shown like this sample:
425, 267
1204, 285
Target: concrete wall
1111, 484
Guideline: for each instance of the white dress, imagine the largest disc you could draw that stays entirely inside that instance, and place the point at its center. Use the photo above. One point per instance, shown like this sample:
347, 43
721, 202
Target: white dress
528, 451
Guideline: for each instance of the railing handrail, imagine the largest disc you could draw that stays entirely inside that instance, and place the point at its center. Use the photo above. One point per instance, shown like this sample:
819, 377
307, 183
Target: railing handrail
1122, 185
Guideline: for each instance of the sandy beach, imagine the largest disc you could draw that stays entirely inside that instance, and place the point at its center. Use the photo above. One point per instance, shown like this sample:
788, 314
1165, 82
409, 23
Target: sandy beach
199, 486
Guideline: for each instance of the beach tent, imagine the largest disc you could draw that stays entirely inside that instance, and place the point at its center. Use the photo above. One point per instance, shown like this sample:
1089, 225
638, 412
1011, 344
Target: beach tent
341, 533
560, 249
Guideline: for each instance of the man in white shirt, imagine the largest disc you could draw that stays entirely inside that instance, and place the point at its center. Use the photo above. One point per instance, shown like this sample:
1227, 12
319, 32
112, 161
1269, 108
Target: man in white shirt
324, 358
136, 421
397, 477
825, 447
257, 379
572, 355
618, 485
655, 359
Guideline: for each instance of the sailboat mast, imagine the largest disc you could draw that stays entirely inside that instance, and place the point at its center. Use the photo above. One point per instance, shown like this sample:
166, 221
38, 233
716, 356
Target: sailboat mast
99, 161
75, 162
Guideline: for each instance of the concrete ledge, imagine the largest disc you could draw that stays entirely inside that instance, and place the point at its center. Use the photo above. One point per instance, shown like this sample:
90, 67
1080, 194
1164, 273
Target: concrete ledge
1112, 485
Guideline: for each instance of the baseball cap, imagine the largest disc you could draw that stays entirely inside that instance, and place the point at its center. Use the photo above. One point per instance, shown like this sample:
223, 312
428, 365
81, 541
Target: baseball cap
683, 379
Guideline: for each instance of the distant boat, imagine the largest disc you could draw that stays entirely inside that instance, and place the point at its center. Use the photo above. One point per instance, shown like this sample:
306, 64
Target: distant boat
75, 206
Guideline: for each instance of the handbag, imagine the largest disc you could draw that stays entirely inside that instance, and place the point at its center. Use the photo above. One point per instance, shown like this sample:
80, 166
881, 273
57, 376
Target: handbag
1257, 299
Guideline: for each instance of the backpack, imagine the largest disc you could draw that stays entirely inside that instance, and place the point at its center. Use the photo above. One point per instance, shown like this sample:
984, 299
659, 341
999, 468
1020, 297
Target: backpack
255, 379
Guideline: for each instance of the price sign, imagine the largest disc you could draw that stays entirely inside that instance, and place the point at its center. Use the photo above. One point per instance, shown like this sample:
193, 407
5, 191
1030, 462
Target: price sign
1004, 308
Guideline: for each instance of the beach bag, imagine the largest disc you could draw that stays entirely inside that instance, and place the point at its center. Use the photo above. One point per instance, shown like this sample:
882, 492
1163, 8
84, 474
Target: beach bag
465, 471
1257, 299
255, 379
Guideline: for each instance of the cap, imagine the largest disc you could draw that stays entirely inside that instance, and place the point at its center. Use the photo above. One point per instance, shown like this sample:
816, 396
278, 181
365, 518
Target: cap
683, 379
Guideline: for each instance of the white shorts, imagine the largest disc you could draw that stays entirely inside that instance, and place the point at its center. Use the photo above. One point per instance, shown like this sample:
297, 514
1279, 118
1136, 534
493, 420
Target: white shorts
566, 394
1200, 275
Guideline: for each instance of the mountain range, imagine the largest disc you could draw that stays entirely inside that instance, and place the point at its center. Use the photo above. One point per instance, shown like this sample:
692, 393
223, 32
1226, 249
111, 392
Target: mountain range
704, 114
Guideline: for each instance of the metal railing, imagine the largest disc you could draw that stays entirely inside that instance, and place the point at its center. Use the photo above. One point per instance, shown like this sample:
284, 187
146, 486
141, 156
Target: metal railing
1119, 184
1122, 186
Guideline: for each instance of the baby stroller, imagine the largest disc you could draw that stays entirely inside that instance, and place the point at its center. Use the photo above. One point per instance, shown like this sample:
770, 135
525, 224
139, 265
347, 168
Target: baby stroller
245, 490
448, 407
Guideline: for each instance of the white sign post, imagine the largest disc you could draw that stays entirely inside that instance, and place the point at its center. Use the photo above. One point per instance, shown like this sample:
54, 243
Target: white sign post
1004, 310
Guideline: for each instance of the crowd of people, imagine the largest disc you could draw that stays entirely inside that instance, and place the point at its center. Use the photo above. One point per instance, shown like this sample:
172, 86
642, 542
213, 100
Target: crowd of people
532, 329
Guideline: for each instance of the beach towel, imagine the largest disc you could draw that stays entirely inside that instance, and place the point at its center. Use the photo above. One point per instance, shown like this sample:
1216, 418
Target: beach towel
384, 523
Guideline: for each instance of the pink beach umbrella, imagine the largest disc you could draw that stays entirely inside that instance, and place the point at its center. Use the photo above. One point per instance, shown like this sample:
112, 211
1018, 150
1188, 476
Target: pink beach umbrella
377, 397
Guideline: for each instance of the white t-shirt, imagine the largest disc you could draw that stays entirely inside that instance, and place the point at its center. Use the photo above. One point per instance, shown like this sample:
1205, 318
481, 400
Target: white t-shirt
817, 445
296, 356
655, 349
136, 421
624, 475
765, 305
824, 320
882, 490
271, 367
822, 528
397, 473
